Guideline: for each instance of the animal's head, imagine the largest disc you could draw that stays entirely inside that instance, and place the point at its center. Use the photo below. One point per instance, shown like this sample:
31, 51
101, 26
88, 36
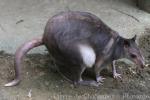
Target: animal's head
133, 53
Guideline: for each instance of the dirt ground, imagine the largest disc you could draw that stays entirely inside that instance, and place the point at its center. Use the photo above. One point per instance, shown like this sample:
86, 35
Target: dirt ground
42, 82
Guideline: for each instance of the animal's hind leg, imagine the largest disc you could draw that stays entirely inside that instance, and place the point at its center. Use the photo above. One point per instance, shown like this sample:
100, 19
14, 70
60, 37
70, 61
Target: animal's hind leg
80, 81
97, 70
79, 59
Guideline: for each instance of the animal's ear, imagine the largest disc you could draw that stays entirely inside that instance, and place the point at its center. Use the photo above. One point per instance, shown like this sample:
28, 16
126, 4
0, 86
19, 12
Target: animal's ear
126, 43
134, 38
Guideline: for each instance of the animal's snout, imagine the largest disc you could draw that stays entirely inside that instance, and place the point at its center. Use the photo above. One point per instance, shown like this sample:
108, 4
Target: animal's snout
141, 62
142, 66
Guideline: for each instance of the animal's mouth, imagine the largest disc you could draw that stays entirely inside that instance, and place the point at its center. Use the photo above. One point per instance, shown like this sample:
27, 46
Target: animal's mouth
140, 64
141, 67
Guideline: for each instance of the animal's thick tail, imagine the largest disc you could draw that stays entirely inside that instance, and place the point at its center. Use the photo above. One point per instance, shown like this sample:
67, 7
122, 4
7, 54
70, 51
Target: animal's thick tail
20, 53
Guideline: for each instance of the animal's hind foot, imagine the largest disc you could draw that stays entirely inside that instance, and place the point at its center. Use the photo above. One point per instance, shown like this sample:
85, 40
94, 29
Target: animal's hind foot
89, 83
100, 79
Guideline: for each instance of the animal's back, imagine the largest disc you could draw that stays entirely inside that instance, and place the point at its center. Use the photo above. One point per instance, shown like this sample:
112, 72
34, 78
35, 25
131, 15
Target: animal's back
73, 26
70, 26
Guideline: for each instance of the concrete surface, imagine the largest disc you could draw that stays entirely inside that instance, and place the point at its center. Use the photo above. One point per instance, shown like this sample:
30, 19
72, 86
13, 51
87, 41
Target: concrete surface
22, 20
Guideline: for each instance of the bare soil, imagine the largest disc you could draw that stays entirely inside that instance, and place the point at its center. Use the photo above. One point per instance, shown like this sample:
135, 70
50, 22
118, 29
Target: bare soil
40, 80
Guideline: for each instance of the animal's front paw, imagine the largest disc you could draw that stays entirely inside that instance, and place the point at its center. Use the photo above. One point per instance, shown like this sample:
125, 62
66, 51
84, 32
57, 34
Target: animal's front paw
116, 76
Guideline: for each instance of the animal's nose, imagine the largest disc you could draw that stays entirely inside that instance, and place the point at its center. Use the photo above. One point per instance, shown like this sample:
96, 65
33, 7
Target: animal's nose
142, 66
142, 62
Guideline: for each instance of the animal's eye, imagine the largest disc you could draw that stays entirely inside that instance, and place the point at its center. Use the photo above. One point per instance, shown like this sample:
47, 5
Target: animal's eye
133, 56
